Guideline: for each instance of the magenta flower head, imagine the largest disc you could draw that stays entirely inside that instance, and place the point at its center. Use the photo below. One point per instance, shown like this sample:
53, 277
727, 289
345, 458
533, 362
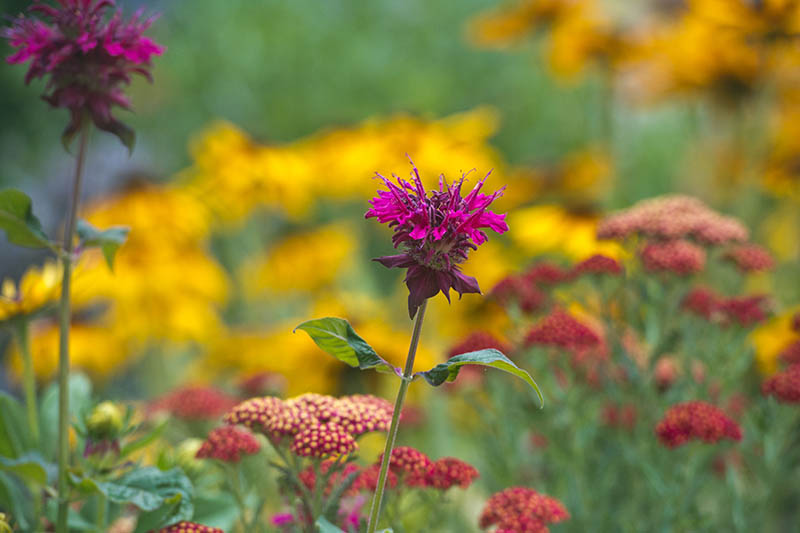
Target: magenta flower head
435, 229
86, 57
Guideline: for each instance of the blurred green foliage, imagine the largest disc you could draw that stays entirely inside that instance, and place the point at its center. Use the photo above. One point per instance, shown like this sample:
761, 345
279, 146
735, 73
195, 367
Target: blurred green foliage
282, 70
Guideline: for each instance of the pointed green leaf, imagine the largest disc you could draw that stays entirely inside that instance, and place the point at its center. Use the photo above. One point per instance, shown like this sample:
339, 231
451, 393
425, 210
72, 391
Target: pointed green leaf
324, 526
448, 370
79, 389
337, 337
108, 240
18, 222
29, 467
14, 433
165, 497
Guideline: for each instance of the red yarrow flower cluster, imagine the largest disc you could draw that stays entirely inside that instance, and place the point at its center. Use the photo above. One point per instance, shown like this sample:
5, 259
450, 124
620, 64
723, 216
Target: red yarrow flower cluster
228, 444
317, 425
436, 229
547, 273
696, 421
673, 217
563, 330
784, 386
368, 479
743, 310
620, 416
409, 464
597, 264
449, 472
189, 527
751, 258
791, 354
195, 403
322, 441
519, 290
308, 476
86, 57
678, 256
521, 510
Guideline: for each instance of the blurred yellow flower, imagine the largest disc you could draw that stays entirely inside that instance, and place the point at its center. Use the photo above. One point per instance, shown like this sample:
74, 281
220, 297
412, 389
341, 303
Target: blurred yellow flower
165, 285
547, 229
95, 349
236, 176
294, 356
305, 261
511, 23
771, 338
38, 288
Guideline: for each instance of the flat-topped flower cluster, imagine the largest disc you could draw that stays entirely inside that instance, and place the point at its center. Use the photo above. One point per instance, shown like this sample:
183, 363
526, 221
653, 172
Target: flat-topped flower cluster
314, 425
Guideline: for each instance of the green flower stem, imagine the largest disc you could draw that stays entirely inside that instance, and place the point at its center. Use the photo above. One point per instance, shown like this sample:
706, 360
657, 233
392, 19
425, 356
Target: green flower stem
234, 475
100, 520
28, 379
377, 500
63, 345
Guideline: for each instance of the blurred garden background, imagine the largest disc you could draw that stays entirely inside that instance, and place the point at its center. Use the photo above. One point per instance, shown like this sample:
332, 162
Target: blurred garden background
257, 144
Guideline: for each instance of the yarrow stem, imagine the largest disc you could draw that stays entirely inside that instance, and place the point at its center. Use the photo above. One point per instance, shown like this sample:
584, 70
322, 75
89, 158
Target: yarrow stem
29, 379
63, 346
375, 510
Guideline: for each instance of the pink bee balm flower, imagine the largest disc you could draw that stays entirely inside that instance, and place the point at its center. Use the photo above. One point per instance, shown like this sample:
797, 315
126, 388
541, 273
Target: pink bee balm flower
436, 229
85, 57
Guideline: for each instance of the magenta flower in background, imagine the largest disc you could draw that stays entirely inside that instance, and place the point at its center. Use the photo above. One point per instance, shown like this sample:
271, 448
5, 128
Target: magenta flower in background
435, 229
85, 57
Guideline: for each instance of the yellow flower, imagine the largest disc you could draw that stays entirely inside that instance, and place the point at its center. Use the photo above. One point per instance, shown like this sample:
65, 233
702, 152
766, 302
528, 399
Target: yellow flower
235, 176
547, 229
293, 355
771, 338
581, 37
94, 349
306, 261
511, 23
38, 288
165, 285
782, 174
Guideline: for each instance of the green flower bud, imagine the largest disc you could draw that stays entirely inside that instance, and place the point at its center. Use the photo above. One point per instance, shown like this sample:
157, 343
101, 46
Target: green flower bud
4, 525
105, 421
186, 456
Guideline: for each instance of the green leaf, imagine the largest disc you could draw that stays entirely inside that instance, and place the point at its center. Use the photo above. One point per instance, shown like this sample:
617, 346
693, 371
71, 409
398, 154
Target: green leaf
18, 222
75, 522
164, 496
448, 370
337, 337
144, 440
324, 526
108, 240
80, 397
29, 467
17, 500
14, 433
